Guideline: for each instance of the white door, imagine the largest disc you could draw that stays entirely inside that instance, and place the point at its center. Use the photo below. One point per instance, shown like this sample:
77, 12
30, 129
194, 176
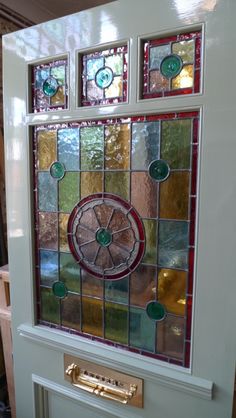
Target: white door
120, 152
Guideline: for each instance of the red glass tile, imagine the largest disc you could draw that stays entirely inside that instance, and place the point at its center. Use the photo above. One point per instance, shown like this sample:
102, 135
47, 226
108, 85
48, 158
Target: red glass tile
151, 118
198, 53
176, 362
189, 318
195, 131
191, 270
192, 221
187, 90
155, 42
187, 354
197, 81
187, 36
187, 115
194, 170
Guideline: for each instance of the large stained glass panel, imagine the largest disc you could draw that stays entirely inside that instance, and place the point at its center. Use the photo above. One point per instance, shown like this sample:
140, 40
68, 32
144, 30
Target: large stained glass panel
115, 230
104, 77
172, 65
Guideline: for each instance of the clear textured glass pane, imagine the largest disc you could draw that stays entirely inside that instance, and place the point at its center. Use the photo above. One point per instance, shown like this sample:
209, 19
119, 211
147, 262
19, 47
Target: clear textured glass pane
69, 193
150, 255
70, 312
117, 291
48, 230
157, 82
48, 267
117, 146
115, 89
93, 66
47, 192
92, 143
170, 336
50, 306
117, 183
144, 194
92, 314
184, 79
115, 62
142, 330
63, 221
174, 196
116, 322
70, 272
175, 142
68, 148
172, 290
145, 144
91, 286
41, 76
185, 49
143, 285
59, 73
47, 152
173, 244
157, 54
91, 182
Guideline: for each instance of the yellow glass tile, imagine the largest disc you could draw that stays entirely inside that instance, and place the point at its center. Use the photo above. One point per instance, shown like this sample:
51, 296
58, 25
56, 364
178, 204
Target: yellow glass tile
172, 290
115, 89
91, 182
184, 79
174, 196
47, 152
92, 313
63, 221
58, 98
117, 146
185, 49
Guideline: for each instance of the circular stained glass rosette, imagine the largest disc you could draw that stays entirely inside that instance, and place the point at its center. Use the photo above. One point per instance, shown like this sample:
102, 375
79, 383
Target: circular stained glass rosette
106, 236
50, 86
57, 170
59, 290
155, 310
171, 66
159, 170
104, 77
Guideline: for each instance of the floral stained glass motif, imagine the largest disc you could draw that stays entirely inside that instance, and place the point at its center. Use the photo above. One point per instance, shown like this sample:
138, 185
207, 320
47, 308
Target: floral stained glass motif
49, 86
104, 77
115, 230
172, 66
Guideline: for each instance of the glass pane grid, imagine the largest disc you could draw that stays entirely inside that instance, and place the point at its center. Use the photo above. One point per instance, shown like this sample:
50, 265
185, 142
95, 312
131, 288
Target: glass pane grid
172, 65
104, 157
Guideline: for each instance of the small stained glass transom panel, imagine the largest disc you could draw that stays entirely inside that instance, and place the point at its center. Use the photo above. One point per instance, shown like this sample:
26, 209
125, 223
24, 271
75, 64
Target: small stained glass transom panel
104, 77
49, 86
172, 65
115, 230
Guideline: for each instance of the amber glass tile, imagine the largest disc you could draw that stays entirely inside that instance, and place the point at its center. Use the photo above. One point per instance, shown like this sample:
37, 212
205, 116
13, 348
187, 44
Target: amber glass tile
118, 183
91, 182
47, 152
158, 82
70, 272
150, 256
117, 146
174, 196
175, 144
173, 244
116, 322
48, 267
69, 193
58, 98
145, 144
92, 144
143, 285
50, 306
185, 49
70, 311
172, 290
63, 221
144, 194
170, 336
48, 230
115, 89
117, 290
142, 330
47, 192
184, 79
68, 148
92, 316
91, 286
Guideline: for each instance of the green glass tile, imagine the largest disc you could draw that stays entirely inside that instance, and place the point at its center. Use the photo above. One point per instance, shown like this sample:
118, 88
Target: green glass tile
50, 306
115, 62
92, 144
156, 311
159, 170
142, 330
150, 255
57, 170
69, 191
117, 290
173, 244
157, 54
59, 74
185, 49
70, 272
116, 322
48, 267
70, 311
47, 192
104, 77
59, 289
103, 237
175, 142
50, 86
117, 183
145, 144
171, 66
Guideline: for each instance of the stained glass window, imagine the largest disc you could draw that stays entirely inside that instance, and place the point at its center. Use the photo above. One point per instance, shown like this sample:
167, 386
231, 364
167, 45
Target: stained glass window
104, 77
115, 223
49, 86
172, 65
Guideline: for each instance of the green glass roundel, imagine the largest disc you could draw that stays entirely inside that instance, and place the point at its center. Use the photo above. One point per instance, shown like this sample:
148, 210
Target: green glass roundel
104, 77
57, 170
159, 170
50, 86
171, 66
59, 290
103, 237
155, 310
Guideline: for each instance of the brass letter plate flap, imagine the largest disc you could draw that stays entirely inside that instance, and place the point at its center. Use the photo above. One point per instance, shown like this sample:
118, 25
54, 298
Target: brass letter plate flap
104, 382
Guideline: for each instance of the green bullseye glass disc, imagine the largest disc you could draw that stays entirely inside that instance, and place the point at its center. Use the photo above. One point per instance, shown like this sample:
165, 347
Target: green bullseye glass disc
104, 77
156, 311
59, 290
171, 66
57, 170
50, 86
103, 237
159, 170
